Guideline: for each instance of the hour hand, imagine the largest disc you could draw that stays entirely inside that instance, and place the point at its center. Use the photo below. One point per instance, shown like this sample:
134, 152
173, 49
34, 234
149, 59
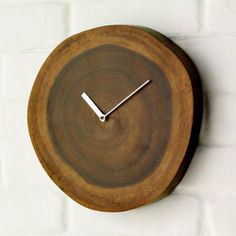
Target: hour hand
93, 106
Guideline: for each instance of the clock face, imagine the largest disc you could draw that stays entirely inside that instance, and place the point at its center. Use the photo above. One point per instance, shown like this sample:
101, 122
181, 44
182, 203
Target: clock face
114, 116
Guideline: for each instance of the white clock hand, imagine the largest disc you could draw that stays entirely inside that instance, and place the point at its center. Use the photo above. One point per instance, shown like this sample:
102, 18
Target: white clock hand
93, 106
125, 99
99, 113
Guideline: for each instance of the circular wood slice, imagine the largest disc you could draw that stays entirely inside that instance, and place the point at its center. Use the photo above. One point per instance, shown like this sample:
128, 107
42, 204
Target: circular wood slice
142, 151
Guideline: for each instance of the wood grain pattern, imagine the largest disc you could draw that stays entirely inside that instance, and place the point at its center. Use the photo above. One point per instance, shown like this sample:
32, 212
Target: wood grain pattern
141, 153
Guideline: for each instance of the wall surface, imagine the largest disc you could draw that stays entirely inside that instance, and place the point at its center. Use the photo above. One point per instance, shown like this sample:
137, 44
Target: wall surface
204, 203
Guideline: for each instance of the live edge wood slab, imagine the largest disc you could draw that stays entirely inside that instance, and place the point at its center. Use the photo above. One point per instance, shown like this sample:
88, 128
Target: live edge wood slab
142, 151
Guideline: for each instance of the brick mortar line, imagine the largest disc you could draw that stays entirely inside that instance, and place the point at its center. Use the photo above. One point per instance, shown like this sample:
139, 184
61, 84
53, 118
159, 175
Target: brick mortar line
205, 36
68, 30
202, 11
50, 48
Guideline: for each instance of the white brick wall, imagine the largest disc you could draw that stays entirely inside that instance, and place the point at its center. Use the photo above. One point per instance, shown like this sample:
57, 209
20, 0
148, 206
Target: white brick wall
32, 26
221, 16
165, 15
175, 215
35, 209
204, 204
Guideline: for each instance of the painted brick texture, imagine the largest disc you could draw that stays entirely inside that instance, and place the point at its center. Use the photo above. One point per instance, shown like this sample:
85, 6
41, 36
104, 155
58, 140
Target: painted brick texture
203, 204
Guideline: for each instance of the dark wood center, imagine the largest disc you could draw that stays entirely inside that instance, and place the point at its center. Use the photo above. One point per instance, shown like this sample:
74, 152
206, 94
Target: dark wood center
130, 144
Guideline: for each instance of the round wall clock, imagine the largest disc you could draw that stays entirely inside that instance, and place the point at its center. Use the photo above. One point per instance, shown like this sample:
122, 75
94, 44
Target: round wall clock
114, 116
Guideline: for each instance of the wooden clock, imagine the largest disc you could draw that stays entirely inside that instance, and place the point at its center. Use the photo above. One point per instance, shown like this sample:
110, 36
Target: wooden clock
114, 116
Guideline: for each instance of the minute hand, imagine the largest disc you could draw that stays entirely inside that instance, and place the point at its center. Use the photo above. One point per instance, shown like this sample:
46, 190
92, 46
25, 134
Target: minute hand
125, 99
